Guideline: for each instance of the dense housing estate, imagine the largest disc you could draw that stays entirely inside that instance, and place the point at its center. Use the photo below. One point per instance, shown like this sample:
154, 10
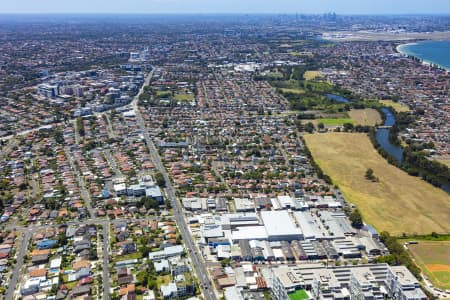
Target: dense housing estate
161, 160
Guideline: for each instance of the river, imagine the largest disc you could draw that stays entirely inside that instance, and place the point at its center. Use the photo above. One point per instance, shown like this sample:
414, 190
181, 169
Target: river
382, 136
337, 98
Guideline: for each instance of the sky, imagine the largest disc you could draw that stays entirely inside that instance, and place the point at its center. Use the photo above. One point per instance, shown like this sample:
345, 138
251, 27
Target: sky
228, 6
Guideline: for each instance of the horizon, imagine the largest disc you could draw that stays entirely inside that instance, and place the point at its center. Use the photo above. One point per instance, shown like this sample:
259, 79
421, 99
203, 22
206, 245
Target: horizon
216, 13
186, 7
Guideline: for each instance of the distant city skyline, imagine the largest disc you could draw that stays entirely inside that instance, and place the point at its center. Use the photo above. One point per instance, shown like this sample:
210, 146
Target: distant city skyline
228, 6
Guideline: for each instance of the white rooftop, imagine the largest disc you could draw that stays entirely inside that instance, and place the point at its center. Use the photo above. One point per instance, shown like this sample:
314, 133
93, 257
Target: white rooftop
279, 225
250, 232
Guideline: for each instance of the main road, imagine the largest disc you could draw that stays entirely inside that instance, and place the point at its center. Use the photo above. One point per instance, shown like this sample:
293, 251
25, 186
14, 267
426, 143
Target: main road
18, 267
198, 263
106, 277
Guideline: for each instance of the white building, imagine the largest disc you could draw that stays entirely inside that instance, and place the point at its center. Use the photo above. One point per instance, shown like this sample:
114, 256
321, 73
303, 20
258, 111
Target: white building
362, 282
167, 252
48, 90
402, 285
280, 227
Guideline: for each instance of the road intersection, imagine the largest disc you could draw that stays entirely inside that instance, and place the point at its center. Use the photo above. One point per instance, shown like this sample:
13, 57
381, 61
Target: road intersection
27, 233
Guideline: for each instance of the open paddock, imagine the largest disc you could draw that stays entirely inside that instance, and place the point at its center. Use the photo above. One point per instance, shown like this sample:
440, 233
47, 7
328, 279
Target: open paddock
398, 203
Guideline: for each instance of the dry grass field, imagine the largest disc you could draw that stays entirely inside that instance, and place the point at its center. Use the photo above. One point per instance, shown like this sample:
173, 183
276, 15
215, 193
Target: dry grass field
293, 91
368, 116
310, 75
399, 107
330, 122
398, 203
445, 161
434, 260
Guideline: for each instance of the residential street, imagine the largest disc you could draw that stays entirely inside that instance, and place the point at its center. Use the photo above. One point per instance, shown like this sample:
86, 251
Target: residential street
200, 267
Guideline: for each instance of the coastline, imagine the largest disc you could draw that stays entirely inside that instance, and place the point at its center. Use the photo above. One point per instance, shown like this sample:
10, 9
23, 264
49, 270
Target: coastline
402, 49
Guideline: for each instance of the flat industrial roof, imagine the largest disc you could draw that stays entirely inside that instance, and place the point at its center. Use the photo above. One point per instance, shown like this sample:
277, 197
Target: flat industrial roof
279, 223
249, 233
308, 225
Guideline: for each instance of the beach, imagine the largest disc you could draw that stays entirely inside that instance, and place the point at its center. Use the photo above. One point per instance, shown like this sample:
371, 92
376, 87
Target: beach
429, 52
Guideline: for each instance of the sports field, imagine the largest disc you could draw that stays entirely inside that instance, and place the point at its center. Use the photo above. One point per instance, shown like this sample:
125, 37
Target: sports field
434, 260
397, 203
368, 116
399, 107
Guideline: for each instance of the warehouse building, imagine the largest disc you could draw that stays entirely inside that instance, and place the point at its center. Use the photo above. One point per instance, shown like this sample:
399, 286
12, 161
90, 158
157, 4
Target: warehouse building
338, 224
230, 221
280, 227
311, 229
253, 232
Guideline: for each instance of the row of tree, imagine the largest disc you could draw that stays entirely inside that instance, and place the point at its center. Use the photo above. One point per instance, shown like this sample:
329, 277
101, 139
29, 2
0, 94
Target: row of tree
398, 255
416, 163
316, 167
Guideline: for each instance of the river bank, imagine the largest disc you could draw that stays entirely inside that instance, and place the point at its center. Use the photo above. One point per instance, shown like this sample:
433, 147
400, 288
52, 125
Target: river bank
394, 153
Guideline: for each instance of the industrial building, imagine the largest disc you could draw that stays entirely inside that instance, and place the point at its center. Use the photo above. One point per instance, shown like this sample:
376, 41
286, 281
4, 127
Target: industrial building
280, 227
310, 227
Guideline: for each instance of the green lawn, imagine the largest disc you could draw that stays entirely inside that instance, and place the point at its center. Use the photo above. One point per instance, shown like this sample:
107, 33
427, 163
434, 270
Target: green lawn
335, 122
163, 94
293, 91
184, 97
163, 280
442, 276
136, 255
274, 75
298, 295
434, 260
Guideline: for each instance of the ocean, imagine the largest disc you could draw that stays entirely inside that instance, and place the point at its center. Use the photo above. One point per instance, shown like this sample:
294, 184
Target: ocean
435, 52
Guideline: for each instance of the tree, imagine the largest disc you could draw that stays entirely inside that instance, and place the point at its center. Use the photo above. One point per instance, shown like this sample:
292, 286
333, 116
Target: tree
160, 179
309, 127
151, 284
356, 219
145, 251
59, 137
149, 202
225, 262
62, 239
92, 254
348, 127
168, 204
398, 256
369, 174
142, 278
80, 126
321, 126
165, 122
